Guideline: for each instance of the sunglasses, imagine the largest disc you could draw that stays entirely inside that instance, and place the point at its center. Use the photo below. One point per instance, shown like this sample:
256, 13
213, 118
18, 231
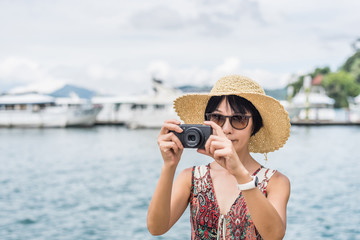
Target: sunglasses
237, 121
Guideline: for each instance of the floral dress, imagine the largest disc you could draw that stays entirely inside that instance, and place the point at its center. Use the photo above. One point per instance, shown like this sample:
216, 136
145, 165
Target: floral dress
206, 220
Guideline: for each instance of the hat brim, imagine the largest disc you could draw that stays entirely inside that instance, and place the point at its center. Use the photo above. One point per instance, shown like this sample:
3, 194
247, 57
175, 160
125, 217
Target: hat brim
276, 123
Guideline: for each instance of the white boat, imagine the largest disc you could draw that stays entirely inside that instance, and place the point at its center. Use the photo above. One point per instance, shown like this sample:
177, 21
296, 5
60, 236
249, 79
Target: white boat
142, 111
354, 110
115, 109
314, 106
38, 110
80, 111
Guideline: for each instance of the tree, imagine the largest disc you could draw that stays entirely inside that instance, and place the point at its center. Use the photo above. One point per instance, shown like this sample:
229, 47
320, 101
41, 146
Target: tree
340, 86
322, 71
297, 85
352, 65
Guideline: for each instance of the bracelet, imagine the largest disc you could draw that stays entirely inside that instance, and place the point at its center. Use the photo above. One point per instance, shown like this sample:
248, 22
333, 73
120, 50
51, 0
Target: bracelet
250, 185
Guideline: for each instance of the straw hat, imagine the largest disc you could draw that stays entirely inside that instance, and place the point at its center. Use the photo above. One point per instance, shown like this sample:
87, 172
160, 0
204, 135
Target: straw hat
276, 123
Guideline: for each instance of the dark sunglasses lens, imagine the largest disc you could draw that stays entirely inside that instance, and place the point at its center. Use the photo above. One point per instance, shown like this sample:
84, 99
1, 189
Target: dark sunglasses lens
239, 122
218, 119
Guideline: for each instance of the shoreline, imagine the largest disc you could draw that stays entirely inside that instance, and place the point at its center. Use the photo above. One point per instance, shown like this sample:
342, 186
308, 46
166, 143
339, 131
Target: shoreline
323, 123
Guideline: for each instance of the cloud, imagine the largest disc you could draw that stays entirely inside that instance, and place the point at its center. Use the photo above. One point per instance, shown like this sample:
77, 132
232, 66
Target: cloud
229, 66
20, 74
267, 79
157, 17
98, 72
20, 69
159, 69
45, 87
196, 75
202, 18
120, 45
107, 79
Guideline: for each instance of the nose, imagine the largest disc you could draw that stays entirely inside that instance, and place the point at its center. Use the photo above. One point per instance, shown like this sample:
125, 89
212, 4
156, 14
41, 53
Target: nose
227, 128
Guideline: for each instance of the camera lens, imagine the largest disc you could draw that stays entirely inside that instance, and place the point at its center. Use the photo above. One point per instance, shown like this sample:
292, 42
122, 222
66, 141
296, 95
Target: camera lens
192, 137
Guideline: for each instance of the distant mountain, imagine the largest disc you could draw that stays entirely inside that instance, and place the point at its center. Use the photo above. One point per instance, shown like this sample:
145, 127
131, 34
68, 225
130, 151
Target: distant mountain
278, 94
194, 89
68, 89
42, 87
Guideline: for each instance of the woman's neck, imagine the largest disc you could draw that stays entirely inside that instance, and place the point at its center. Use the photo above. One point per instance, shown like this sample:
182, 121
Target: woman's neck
246, 159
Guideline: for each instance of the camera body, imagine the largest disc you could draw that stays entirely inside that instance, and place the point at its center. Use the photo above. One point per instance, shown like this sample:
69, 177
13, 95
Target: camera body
194, 135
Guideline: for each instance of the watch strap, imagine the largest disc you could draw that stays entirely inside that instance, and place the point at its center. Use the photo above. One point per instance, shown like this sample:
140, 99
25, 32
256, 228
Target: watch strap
250, 185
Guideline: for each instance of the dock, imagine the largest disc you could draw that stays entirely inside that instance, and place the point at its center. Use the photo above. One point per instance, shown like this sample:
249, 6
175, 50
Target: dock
322, 123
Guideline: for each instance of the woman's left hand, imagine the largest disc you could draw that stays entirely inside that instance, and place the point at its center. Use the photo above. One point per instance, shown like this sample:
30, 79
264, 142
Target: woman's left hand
219, 147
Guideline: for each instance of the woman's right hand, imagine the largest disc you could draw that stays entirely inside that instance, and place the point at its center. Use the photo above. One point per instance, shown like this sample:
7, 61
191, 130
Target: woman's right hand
170, 146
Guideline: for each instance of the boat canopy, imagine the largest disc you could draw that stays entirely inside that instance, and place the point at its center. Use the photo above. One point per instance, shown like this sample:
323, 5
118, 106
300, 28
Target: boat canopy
31, 98
357, 99
314, 99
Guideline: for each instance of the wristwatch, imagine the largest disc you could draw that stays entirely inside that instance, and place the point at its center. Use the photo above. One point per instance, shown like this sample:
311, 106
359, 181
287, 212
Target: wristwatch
249, 185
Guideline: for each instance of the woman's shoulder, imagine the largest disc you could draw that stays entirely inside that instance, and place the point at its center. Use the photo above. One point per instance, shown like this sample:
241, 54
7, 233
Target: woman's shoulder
185, 176
189, 172
280, 178
186, 172
280, 182
269, 173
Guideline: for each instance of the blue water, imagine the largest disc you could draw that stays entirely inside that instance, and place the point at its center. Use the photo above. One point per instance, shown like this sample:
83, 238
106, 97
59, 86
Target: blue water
96, 183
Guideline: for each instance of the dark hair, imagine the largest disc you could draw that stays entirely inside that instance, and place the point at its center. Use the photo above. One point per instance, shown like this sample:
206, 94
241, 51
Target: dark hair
238, 105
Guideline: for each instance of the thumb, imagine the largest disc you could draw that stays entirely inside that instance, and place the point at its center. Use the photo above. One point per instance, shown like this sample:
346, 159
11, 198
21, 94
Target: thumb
202, 151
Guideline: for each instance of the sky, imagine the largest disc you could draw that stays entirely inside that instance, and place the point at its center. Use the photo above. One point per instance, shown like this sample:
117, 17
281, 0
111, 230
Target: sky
117, 47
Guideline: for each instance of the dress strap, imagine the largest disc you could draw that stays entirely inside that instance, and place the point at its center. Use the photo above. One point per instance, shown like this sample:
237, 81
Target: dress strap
264, 176
200, 171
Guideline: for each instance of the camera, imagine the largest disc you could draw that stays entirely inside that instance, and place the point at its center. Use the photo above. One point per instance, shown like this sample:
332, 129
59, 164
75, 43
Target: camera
194, 135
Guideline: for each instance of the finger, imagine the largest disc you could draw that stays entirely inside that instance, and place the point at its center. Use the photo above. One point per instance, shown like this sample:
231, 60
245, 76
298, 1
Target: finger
210, 139
221, 154
171, 121
167, 146
216, 145
167, 137
176, 140
174, 121
202, 151
170, 137
170, 125
209, 142
175, 148
163, 138
216, 138
217, 130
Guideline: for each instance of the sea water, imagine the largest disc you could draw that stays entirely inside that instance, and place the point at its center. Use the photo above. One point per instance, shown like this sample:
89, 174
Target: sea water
96, 183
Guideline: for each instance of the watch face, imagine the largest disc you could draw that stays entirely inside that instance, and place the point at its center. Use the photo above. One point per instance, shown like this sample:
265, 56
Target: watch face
256, 181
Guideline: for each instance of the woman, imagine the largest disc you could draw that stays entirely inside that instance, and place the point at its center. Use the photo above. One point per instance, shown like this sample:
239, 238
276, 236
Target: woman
233, 197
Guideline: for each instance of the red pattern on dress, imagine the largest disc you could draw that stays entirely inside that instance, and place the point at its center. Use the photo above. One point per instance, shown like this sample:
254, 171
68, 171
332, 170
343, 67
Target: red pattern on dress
205, 212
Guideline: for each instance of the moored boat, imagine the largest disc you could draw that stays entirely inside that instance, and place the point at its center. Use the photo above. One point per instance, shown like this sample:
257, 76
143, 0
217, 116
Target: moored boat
39, 110
311, 103
139, 111
354, 110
